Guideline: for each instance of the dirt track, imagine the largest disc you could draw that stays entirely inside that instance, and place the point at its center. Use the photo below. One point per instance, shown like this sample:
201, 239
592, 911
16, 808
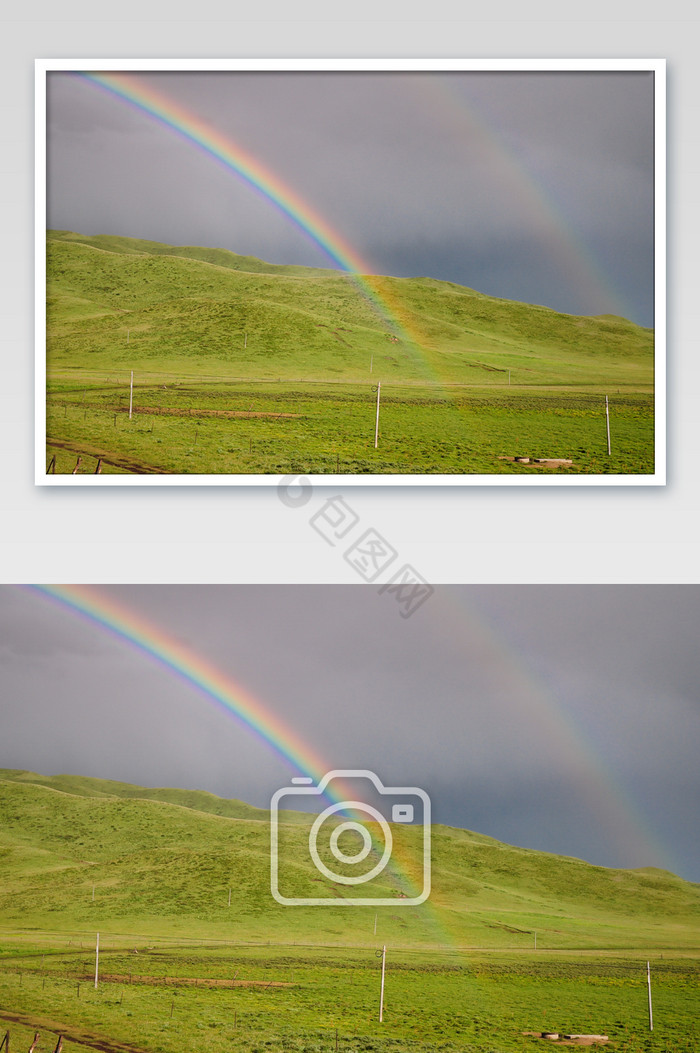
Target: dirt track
137, 467
70, 1033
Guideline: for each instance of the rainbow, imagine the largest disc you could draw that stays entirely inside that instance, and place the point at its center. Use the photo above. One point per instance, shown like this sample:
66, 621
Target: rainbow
210, 683
377, 289
441, 94
577, 747
229, 696
472, 123
574, 745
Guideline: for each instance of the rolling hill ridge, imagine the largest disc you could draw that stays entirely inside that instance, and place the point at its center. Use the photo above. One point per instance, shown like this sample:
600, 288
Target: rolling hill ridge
114, 300
169, 860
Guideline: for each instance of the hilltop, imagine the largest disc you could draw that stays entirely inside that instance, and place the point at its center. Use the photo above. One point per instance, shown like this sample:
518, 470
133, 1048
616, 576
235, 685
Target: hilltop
166, 860
184, 360
114, 301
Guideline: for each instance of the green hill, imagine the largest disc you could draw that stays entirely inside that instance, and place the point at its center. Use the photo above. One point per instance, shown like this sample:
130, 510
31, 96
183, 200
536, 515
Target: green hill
166, 860
192, 309
184, 360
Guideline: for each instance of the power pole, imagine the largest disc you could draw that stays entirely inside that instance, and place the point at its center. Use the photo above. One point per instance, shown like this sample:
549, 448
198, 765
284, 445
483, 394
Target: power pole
131, 393
651, 1019
607, 422
376, 427
97, 957
381, 996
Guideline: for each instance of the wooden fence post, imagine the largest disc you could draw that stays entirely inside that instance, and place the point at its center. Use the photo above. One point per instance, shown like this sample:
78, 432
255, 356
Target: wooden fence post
36, 1039
59, 1044
5, 1044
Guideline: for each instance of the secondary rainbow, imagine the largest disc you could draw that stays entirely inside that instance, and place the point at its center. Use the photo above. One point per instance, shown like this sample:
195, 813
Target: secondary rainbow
468, 116
581, 749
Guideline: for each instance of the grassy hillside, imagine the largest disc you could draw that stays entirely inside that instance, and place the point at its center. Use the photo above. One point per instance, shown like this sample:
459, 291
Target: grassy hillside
152, 872
168, 858
242, 367
188, 308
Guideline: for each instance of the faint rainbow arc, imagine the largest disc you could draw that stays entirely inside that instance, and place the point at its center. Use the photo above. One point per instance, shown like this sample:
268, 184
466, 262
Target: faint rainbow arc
471, 118
375, 288
566, 738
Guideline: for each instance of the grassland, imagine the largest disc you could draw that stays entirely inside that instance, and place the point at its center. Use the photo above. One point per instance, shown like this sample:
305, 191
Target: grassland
153, 872
243, 367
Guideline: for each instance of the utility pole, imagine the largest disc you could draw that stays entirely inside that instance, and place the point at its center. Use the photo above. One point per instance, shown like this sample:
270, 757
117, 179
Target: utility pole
376, 427
651, 1019
381, 997
607, 422
131, 393
97, 957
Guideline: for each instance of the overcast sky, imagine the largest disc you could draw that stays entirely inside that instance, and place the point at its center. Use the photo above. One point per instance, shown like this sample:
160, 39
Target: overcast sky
530, 186
562, 718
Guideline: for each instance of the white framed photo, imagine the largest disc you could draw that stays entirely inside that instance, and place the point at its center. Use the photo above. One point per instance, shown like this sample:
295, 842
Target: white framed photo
436, 272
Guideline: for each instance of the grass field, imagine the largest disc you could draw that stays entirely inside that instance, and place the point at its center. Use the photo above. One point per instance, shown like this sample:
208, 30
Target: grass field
242, 367
153, 872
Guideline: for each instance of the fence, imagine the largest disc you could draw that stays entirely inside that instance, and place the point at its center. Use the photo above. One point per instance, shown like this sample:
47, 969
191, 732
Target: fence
5, 1044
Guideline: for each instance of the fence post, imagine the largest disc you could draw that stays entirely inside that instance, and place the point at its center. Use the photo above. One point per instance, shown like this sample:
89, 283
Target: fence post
381, 997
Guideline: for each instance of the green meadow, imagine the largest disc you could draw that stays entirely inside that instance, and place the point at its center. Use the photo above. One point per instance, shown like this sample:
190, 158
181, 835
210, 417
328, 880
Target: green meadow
195, 953
244, 367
